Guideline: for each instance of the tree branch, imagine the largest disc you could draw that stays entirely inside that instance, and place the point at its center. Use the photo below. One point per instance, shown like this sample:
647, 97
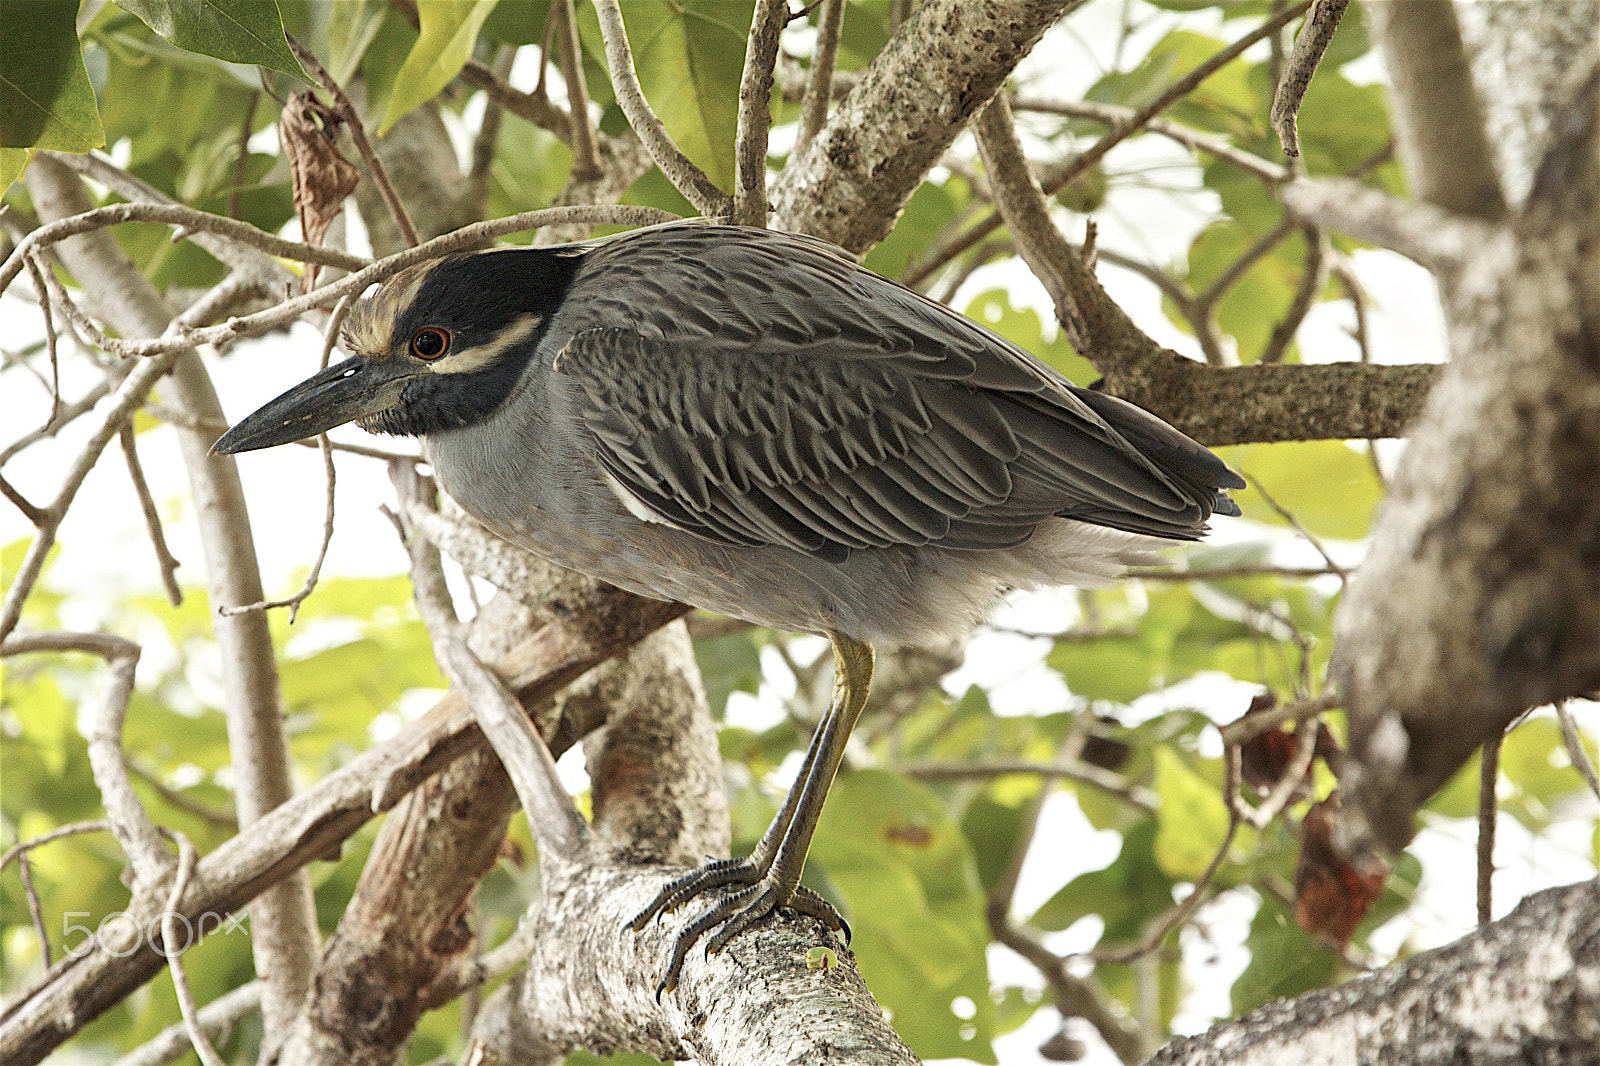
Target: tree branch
1437, 238
755, 113
819, 81
1063, 175
284, 927
1527, 981
1313, 40
850, 181
1438, 118
689, 179
1479, 593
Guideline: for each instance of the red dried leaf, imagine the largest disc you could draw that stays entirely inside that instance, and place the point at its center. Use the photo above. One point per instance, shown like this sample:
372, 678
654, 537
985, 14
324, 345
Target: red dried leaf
1330, 895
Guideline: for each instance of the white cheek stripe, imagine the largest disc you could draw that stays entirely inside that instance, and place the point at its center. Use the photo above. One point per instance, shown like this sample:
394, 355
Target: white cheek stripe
474, 359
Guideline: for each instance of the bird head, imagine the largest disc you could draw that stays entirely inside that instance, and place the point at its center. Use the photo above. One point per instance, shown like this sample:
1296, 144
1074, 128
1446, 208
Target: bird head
439, 345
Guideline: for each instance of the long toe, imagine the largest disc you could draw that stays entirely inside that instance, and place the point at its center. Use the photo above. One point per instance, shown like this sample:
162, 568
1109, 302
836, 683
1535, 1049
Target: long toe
713, 874
729, 906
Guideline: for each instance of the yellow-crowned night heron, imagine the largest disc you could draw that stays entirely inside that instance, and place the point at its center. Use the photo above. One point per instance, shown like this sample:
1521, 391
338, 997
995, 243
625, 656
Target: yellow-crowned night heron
749, 422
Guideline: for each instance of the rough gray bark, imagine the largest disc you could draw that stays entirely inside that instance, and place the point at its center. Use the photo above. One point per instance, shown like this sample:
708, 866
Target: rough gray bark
1522, 57
849, 183
1481, 596
1523, 990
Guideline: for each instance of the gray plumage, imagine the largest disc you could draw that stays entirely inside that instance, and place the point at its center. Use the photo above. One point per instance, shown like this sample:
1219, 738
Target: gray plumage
748, 422
811, 446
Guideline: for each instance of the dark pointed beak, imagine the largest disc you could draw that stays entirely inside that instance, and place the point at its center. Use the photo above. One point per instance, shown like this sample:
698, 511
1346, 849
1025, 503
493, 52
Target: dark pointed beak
352, 389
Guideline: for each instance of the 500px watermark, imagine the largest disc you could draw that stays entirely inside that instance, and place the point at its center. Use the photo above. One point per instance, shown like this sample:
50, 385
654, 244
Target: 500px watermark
120, 934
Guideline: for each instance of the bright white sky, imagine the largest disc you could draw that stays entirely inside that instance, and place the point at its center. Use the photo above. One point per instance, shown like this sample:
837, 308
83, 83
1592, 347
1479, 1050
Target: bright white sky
105, 554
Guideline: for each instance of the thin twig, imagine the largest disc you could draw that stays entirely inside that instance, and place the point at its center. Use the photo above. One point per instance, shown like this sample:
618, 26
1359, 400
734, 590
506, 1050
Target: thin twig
218, 1016
174, 952
755, 113
1289, 517
559, 828
488, 137
586, 165
35, 514
242, 157
330, 337
152, 517
1309, 47
948, 249
1208, 297
819, 83
1237, 733
1081, 772
1112, 115
131, 824
1305, 749
1074, 996
35, 911
1488, 811
1182, 912
358, 134
97, 825
1313, 279
688, 178
35, 272
174, 215
1575, 749
534, 107
290, 310
221, 819
130, 394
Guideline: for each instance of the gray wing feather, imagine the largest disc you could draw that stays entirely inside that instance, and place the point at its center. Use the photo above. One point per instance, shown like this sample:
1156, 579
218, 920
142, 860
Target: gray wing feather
758, 388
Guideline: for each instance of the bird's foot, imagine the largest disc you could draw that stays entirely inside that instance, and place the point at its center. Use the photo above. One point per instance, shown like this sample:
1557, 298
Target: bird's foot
735, 912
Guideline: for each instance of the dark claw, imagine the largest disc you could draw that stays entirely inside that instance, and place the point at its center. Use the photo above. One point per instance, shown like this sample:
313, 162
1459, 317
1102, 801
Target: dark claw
812, 905
712, 875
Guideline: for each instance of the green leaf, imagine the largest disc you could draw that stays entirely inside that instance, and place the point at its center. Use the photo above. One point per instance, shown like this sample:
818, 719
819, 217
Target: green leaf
1329, 486
517, 22
1192, 820
1023, 327
1284, 960
689, 55
888, 849
352, 25
238, 31
12, 163
728, 664
46, 100
449, 30
1115, 668
1125, 896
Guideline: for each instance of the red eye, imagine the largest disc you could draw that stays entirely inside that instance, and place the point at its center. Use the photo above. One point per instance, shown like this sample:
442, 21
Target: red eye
430, 343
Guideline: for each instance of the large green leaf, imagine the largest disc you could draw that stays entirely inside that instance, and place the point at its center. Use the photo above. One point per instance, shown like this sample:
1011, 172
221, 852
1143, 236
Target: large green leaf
901, 867
352, 25
1225, 102
239, 31
689, 55
1192, 819
449, 28
46, 100
1284, 960
1330, 487
1023, 327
